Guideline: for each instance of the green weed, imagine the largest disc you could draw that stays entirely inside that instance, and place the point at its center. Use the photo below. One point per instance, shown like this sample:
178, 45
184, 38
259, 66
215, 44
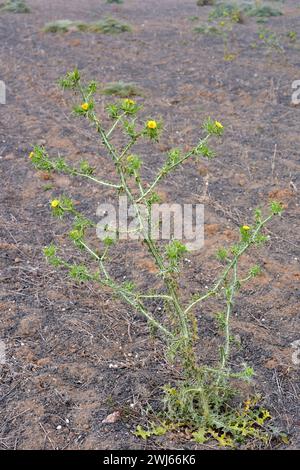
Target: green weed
105, 26
15, 6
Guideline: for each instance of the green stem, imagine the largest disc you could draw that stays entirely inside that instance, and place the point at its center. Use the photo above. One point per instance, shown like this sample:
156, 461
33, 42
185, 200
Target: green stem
133, 302
156, 296
103, 183
115, 124
229, 302
170, 168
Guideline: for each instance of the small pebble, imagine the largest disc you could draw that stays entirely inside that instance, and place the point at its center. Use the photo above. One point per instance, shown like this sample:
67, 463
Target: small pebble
113, 366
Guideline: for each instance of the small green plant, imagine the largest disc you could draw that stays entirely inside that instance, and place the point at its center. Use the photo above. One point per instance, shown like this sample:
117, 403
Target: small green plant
199, 398
15, 6
208, 29
261, 11
111, 26
255, 9
122, 89
202, 3
59, 26
105, 26
48, 187
292, 36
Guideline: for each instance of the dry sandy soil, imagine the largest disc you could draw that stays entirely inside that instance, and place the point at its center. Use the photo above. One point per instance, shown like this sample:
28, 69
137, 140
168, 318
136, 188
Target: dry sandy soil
74, 355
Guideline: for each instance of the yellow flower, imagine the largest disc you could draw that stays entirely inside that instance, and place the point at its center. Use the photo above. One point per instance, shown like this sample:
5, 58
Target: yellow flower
55, 203
31, 154
85, 106
266, 414
247, 404
246, 227
128, 101
219, 125
152, 124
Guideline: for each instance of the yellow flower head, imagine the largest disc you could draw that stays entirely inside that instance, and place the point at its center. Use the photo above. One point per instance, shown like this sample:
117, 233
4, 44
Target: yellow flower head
54, 203
152, 124
247, 404
219, 125
129, 102
31, 154
74, 234
246, 227
85, 106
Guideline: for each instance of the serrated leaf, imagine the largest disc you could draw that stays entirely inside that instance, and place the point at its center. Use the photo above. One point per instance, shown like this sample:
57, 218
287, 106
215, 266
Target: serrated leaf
142, 433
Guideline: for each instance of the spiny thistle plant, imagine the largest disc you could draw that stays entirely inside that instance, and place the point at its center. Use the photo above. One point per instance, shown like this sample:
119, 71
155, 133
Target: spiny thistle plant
200, 399
271, 41
225, 9
222, 23
226, 27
